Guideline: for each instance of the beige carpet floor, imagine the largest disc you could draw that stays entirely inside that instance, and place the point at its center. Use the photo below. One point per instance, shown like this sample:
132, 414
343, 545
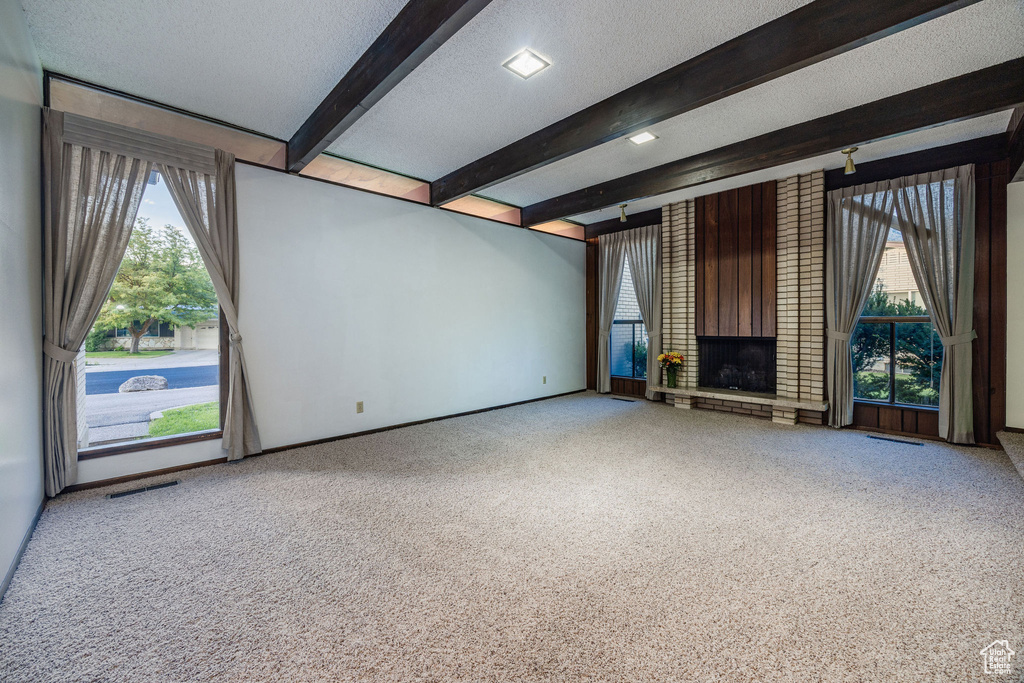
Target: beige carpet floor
580, 538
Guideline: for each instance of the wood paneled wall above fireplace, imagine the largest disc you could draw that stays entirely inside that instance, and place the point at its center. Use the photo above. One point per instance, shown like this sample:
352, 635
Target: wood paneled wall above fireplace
763, 268
735, 267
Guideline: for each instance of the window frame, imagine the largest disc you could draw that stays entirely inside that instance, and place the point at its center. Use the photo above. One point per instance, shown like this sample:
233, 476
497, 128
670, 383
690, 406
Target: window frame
177, 439
892, 321
633, 323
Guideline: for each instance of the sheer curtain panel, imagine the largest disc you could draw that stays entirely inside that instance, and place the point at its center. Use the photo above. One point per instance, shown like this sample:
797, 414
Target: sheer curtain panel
936, 215
859, 219
207, 204
91, 196
643, 249
611, 256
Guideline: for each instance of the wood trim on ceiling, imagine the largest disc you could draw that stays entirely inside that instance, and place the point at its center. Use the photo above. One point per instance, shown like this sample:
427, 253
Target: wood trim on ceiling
361, 177
96, 102
574, 231
414, 34
481, 207
988, 90
805, 36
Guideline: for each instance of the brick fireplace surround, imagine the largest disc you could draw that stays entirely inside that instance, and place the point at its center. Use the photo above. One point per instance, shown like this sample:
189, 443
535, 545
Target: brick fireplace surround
799, 306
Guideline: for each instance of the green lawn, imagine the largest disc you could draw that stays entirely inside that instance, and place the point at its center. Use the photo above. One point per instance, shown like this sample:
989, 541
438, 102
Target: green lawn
874, 386
197, 418
121, 353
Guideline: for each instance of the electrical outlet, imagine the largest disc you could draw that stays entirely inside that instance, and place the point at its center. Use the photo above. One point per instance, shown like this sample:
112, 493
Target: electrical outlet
545, 380
359, 406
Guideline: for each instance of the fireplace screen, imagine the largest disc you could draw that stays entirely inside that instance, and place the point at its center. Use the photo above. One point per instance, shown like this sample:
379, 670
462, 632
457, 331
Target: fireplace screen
741, 363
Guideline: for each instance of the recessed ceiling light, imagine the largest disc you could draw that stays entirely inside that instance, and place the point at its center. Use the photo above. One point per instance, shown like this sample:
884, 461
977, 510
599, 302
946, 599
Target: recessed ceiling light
641, 138
526, 63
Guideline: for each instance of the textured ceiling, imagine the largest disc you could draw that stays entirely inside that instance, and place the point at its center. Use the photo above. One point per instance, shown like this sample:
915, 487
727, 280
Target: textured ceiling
265, 65
982, 35
461, 104
260, 64
912, 142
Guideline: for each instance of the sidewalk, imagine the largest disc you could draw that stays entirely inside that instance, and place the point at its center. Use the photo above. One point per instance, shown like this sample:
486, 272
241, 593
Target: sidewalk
176, 359
124, 416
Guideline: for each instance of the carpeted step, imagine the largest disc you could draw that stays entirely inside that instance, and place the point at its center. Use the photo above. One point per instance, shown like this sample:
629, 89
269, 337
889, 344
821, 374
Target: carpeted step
1013, 444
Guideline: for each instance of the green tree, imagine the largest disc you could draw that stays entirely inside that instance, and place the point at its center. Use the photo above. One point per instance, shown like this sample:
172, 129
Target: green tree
162, 279
640, 359
918, 350
871, 340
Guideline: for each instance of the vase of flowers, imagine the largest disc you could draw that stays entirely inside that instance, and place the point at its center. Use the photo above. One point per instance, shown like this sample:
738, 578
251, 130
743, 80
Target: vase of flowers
672, 361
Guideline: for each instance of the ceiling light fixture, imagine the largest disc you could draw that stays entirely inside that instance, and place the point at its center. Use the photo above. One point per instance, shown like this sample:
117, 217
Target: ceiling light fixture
622, 213
850, 168
526, 63
641, 138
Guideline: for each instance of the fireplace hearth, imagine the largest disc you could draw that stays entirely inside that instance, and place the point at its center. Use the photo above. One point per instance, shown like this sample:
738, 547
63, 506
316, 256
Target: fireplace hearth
737, 363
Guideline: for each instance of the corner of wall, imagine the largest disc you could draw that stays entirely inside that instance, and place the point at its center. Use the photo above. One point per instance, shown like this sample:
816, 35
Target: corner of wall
1015, 306
21, 466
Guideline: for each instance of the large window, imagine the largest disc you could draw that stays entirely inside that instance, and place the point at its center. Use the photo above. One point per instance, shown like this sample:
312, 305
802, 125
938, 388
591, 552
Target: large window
897, 354
629, 336
152, 366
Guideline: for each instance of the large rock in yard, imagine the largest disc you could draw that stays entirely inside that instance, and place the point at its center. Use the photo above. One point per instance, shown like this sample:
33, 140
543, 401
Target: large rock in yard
144, 383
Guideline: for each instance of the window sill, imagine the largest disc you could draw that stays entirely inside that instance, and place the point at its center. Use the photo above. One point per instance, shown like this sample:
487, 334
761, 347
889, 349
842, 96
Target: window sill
901, 406
148, 444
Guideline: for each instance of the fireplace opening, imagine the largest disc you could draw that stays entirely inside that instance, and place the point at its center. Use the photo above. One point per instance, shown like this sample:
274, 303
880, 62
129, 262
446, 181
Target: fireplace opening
738, 363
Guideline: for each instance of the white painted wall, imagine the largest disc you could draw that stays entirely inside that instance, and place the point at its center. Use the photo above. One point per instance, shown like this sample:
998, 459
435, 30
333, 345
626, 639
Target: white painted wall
349, 296
419, 313
21, 464
1015, 305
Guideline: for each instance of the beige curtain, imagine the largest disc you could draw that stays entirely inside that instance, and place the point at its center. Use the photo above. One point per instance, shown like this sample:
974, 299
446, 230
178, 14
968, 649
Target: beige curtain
207, 204
611, 256
936, 215
91, 198
859, 219
643, 249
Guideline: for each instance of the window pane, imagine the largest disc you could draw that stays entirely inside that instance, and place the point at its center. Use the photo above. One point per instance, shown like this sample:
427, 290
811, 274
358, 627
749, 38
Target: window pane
640, 352
870, 346
627, 308
918, 364
151, 365
622, 350
896, 291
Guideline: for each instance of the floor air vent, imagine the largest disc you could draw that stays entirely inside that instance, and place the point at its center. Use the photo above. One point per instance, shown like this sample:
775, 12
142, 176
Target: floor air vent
627, 400
886, 438
154, 487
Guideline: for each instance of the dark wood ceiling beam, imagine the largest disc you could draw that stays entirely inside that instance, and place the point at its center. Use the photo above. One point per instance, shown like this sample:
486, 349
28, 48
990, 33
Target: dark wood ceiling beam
805, 36
996, 88
420, 28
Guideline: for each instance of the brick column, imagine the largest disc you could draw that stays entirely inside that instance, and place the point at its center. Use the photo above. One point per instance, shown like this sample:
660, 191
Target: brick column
678, 324
801, 288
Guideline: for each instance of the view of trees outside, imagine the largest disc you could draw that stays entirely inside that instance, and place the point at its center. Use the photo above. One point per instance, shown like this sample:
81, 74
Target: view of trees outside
152, 358
162, 279
918, 350
628, 339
